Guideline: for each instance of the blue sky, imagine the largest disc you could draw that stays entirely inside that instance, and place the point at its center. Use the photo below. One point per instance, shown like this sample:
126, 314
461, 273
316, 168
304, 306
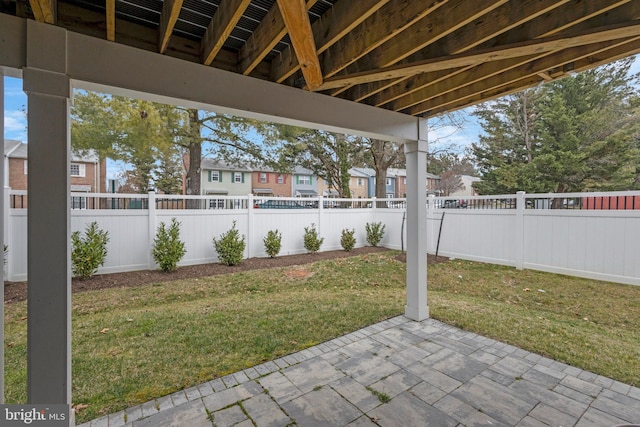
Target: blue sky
15, 120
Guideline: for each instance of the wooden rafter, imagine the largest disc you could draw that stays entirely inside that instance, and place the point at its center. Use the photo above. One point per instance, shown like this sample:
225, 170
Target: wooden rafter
224, 20
43, 10
485, 27
547, 44
264, 38
168, 19
336, 26
579, 58
418, 85
110, 14
296, 19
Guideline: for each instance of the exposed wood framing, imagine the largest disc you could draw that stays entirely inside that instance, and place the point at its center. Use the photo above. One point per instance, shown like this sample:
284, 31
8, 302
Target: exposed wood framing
168, 19
224, 20
296, 19
43, 10
110, 14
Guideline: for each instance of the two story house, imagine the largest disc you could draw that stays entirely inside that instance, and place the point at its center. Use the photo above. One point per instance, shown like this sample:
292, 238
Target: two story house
265, 182
304, 183
88, 172
223, 179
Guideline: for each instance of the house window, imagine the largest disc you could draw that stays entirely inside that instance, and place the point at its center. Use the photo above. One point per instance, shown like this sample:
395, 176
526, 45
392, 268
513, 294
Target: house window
404, 180
304, 179
263, 177
26, 167
280, 179
237, 177
388, 181
360, 183
215, 176
77, 169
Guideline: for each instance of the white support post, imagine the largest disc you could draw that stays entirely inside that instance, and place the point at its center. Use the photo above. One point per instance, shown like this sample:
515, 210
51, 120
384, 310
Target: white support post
48, 91
416, 155
152, 227
519, 231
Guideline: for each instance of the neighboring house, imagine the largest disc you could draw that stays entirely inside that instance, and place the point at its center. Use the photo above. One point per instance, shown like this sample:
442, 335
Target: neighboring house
433, 181
400, 181
269, 183
88, 173
223, 179
390, 184
467, 182
358, 184
304, 183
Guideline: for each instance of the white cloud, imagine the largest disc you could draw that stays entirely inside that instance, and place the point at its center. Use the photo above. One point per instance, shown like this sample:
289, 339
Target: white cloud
15, 125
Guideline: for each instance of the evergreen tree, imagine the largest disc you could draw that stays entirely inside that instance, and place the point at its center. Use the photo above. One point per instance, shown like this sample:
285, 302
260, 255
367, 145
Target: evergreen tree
569, 135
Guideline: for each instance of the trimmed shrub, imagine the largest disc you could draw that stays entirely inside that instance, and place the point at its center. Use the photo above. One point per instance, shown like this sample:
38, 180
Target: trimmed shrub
272, 243
230, 247
312, 241
168, 249
347, 239
88, 252
375, 232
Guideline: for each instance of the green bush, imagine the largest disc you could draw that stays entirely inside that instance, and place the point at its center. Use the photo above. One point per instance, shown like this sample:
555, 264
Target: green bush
89, 251
347, 239
230, 247
375, 232
168, 249
312, 241
272, 243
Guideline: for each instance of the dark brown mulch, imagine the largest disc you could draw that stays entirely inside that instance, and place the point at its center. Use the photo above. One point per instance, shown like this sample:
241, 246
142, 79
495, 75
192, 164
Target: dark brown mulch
17, 291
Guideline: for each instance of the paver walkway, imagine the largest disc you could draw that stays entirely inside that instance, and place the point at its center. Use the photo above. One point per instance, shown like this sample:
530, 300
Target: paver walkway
397, 373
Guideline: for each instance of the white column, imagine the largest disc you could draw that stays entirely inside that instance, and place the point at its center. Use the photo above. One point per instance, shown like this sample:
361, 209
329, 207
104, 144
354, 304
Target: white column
49, 293
416, 154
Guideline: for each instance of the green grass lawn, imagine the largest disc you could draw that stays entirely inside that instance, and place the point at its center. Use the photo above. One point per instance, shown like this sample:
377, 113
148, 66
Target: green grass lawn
131, 345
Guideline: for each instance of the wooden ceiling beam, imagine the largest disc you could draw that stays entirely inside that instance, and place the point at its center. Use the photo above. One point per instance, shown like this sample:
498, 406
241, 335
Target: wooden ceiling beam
296, 19
168, 19
577, 57
44, 10
485, 27
263, 39
336, 24
420, 83
224, 20
474, 57
110, 15
622, 51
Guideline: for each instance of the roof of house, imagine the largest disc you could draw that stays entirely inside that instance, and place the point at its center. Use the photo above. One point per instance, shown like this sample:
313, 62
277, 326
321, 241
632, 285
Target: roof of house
211, 164
299, 170
357, 173
19, 150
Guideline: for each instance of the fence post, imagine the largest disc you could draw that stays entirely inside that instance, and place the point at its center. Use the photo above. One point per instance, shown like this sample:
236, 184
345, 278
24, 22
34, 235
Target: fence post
152, 228
250, 230
431, 207
320, 213
373, 203
518, 238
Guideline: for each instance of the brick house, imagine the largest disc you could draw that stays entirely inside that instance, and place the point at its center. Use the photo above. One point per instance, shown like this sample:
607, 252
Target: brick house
266, 182
88, 173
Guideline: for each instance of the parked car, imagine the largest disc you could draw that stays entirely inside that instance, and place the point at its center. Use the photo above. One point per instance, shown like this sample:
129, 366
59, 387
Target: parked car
457, 204
279, 204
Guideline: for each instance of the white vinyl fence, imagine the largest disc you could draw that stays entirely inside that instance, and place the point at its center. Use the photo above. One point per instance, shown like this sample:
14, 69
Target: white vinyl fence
593, 235
132, 225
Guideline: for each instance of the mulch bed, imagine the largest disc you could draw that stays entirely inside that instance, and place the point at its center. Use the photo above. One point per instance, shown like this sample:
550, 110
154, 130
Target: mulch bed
17, 291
